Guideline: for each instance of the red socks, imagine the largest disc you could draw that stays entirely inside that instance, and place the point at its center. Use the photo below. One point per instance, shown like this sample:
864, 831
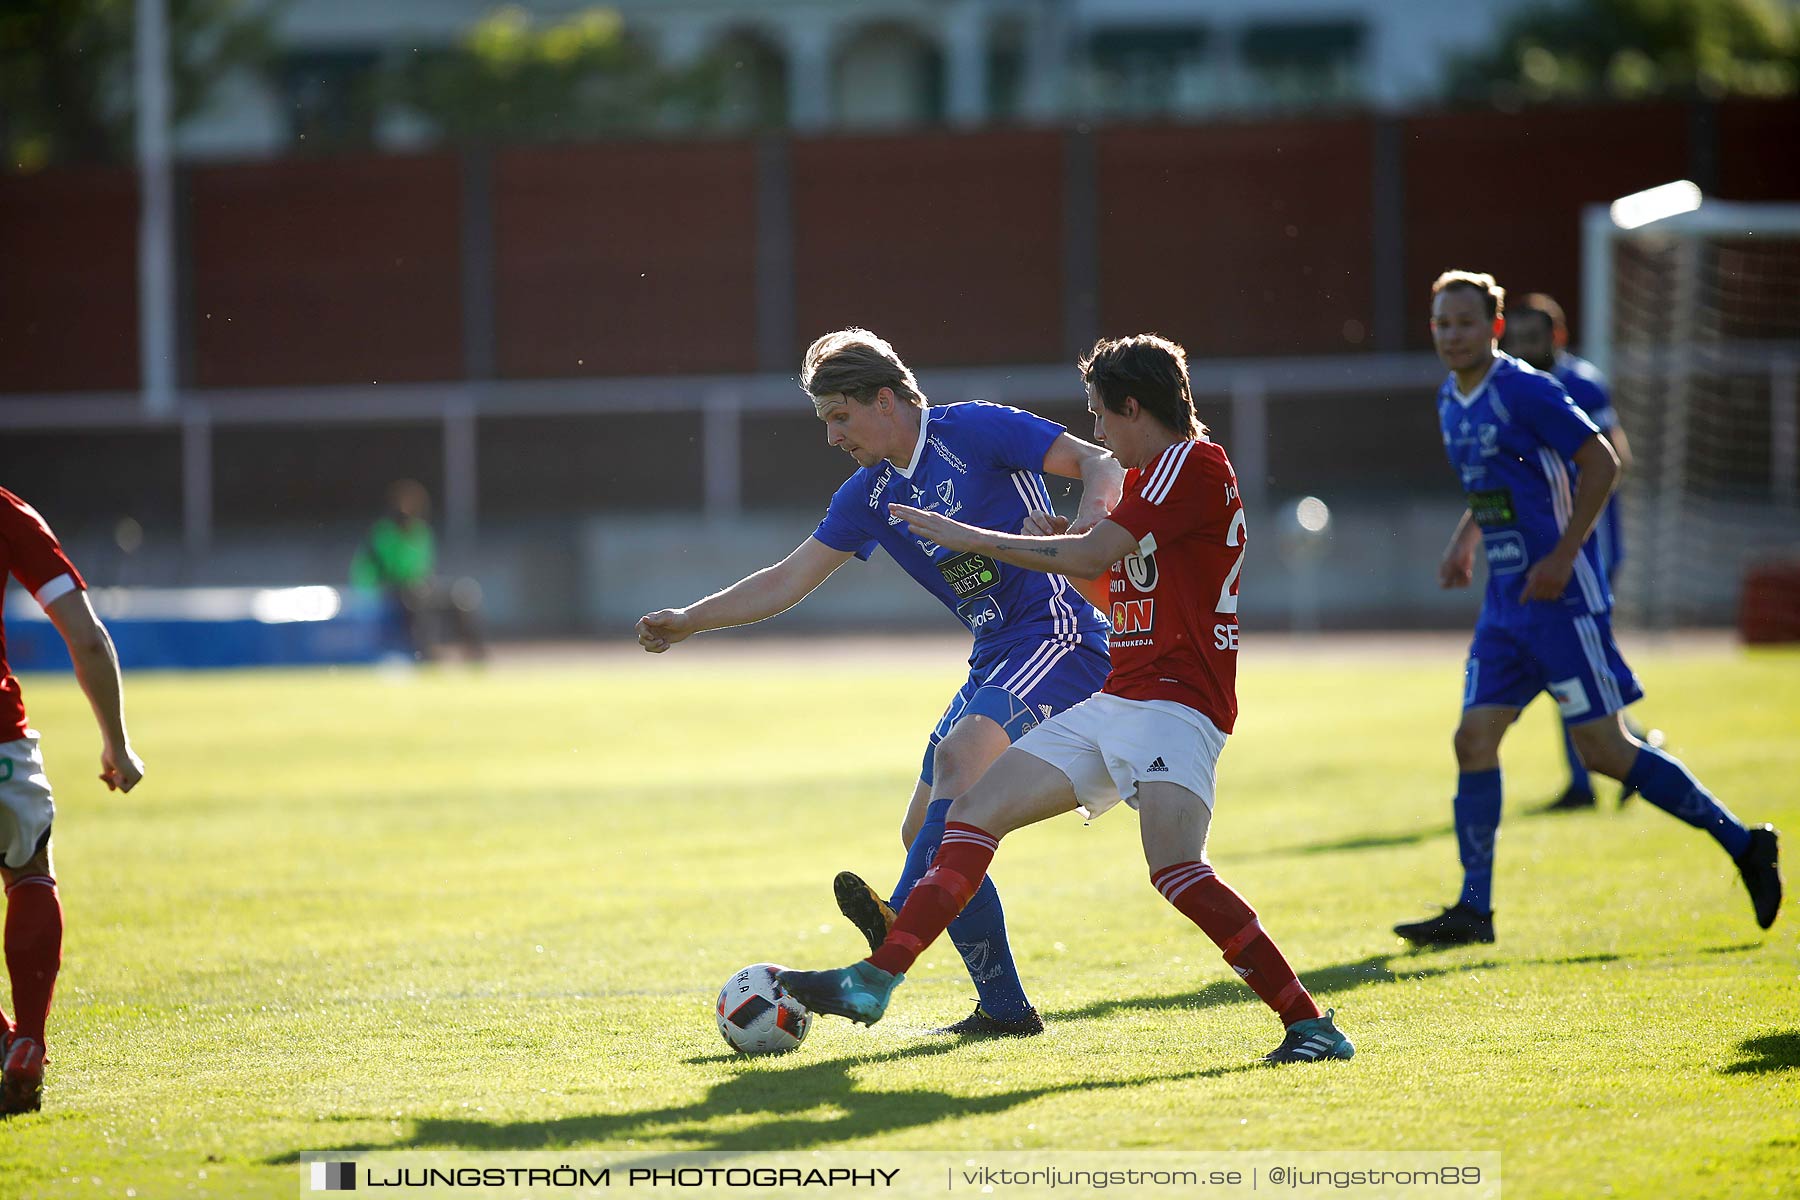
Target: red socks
961, 864
34, 929
1203, 898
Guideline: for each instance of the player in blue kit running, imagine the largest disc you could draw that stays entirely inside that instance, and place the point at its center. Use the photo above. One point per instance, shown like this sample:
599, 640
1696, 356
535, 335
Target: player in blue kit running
1537, 333
1039, 646
1518, 441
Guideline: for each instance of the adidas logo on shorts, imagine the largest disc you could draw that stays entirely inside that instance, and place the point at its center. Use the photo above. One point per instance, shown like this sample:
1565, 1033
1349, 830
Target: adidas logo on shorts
1158, 765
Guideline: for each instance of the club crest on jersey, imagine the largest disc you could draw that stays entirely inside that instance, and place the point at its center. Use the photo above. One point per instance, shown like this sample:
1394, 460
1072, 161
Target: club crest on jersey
946, 491
1133, 616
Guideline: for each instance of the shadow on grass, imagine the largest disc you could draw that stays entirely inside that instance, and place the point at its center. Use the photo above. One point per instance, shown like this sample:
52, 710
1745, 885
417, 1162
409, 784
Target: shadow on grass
1372, 841
1330, 981
764, 1107
1771, 1052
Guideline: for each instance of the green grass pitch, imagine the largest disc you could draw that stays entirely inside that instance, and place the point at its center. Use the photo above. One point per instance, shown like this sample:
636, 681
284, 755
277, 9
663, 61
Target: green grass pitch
491, 911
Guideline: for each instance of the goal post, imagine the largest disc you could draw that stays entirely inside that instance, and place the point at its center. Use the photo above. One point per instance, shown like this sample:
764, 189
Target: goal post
1691, 308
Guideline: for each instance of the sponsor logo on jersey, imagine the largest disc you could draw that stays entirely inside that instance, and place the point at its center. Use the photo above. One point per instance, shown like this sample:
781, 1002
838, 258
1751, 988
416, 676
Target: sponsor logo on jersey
969, 574
918, 495
980, 612
1133, 616
1493, 507
1140, 568
1505, 552
948, 457
881, 482
1157, 767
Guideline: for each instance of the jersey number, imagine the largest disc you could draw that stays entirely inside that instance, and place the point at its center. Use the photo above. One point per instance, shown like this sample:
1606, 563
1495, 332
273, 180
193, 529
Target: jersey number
1234, 536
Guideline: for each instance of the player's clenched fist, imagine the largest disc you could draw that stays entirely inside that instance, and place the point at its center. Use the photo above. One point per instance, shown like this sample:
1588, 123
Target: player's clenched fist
1044, 525
120, 771
661, 629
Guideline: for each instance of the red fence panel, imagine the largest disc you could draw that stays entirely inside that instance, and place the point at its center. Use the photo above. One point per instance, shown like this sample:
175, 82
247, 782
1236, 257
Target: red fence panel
625, 259
68, 281
1239, 239
1753, 163
949, 246
319, 271
1503, 193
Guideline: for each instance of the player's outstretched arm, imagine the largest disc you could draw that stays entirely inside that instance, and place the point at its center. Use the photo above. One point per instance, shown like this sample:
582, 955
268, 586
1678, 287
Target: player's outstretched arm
1102, 478
772, 590
1458, 566
1082, 556
97, 671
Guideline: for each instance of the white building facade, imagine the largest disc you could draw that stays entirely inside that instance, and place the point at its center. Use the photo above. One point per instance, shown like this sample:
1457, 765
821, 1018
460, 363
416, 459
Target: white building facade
818, 65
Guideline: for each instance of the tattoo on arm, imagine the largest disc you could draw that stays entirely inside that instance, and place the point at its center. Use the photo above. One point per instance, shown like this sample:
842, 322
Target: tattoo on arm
1046, 551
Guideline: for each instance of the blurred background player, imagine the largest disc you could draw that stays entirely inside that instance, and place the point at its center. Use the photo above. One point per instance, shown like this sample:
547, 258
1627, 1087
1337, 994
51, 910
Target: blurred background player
398, 558
1517, 440
30, 553
1039, 646
1537, 333
1152, 737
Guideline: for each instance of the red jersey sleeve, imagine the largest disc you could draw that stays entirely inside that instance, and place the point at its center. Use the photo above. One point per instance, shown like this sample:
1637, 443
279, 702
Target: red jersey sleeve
1188, 492
31, 553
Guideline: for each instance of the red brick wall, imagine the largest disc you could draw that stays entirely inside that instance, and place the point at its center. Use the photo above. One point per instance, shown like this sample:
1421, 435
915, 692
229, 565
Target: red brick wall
68, 281
625, 259
325, 271
951, 247
1238, 240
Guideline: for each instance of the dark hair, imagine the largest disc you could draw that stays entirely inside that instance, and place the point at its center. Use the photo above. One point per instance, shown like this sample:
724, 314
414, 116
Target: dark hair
1150, 369
857, 364
1543, 305
1492, 293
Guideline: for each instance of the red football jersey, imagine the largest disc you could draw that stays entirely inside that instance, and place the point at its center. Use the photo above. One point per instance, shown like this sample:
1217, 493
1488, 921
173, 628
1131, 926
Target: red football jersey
30, 553
1174, 601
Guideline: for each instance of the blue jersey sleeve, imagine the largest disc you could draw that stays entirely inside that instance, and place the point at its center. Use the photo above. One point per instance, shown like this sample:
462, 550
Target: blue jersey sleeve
1589, 395
1552, 417
1010, 439
846, 525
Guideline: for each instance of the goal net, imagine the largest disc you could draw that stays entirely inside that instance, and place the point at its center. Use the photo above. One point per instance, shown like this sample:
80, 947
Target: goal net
1692, 309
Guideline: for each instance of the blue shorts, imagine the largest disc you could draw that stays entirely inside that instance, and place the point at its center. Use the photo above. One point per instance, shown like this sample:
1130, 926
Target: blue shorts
1572, 656
1020, 686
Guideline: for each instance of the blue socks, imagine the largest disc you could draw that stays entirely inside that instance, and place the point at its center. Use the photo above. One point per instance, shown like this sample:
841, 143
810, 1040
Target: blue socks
1578, 772
1477, 826
1664, 782
978, 932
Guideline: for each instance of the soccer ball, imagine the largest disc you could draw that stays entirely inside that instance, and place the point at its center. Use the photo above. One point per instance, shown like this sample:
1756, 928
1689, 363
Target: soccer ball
757, 1016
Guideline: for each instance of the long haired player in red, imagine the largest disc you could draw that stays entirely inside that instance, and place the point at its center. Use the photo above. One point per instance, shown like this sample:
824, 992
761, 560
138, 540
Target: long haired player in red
30, 553
1152, 735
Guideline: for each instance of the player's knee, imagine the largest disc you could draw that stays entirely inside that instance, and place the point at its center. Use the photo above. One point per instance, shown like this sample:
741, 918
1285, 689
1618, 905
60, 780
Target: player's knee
1474, 746
37, 864
1604, 747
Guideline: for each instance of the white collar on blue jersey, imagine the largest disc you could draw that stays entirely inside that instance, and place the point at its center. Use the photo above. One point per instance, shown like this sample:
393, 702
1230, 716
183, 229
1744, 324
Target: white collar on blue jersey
1465, 401
919, 449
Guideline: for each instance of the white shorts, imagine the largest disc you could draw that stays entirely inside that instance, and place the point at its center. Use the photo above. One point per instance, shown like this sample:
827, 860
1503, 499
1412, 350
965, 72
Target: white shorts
1108, 745
26, 808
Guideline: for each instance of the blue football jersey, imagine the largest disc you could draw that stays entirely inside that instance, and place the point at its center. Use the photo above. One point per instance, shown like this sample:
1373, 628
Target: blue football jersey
982, 464
1512, 443
1587, 388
